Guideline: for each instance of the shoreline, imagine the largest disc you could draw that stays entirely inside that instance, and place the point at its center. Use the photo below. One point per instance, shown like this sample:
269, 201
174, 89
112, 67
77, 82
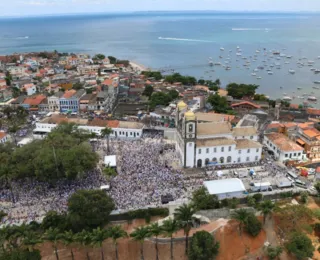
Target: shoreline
137, 66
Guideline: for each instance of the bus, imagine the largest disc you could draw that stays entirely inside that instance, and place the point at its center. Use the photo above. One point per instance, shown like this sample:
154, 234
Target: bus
292, 175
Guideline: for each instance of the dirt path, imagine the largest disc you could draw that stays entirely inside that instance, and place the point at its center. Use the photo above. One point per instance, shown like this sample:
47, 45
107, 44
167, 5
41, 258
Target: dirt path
270, 232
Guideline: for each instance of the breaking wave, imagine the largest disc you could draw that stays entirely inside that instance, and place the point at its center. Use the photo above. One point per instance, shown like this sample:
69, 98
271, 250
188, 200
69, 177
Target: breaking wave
251, 29
23, 37
182, 39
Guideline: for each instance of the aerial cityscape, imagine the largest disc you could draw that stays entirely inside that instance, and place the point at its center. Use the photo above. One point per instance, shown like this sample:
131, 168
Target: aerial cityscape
160, 135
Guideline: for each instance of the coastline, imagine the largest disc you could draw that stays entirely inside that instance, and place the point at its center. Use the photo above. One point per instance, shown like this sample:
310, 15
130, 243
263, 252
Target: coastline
138, 67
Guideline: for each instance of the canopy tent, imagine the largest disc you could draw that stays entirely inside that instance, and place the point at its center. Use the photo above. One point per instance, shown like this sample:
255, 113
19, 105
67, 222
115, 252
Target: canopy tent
110, 161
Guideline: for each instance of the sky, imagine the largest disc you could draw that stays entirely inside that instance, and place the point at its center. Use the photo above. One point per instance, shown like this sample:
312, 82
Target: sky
46, 7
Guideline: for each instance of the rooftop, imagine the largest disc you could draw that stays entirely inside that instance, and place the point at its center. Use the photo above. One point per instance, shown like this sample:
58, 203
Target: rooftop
245, 143
35, 100
213, 128
224, 186
69, 93
2, 135
215, 142
244, 131
210, 117
283, 142
311, 133
245, 103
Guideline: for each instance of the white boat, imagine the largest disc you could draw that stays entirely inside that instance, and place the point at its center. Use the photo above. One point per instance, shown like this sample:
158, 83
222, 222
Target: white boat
255, 70
221, 49
315, 87
316, 71
313, 69
282, 55
310, 62
239, 48
257, 51
228, 68
286, 62
253, 74
270, 72
287, 98
316, 82
318, 57
312, 98
292, 71
217, 63
289, 57
259, 77
299, 88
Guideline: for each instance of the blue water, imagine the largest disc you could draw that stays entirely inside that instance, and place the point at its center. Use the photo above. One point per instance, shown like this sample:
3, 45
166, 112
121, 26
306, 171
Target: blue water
183, 41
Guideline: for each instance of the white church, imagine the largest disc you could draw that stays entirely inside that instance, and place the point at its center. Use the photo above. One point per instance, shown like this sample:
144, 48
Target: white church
208, 138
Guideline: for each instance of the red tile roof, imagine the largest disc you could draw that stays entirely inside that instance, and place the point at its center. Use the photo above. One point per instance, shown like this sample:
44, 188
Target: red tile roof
69, 93
311, 132
35, 100
2, 135
245, 103
313, 111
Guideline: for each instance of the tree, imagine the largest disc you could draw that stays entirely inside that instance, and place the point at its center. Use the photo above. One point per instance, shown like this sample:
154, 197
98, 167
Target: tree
112, 59
148, 90
169, 227
89, 209
266, 207
97, 237
300, 245
219, 104
140, 234
109, 172
203, 246
317, 186
20, 254
155, 230
253, 225
106, 132
240, 215
77, 86
30, 239
184, 214
85, 239
52, 235
251, 201
274, 252
152, 74
304, 197
116, 232
99, 57
202, 200
54, 220
8, 78
241, 90
68, 238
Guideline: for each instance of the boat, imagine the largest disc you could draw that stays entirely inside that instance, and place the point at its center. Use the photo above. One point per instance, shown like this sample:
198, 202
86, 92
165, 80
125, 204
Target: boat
270, 72
286, 62
315, 87
221, 49
259, 77
292, 71
299, 88
228, 68
253, 74
257, 51
238, 47
239, 54
313, 69
310, 62
312, 98
316, 71
255, 70
281, 87
282, 55
316, 82
276, 52
289, 57
286, 98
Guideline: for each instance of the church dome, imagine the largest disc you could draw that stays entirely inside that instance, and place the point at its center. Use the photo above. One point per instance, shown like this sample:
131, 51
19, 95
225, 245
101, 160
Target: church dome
190, 115
181, 105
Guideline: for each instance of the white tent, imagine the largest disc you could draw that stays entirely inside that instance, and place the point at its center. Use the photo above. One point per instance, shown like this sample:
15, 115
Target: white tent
219, 173
110, 161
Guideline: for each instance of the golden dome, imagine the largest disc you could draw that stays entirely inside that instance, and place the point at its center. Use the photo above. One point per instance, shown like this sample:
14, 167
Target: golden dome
190, 115
181, 105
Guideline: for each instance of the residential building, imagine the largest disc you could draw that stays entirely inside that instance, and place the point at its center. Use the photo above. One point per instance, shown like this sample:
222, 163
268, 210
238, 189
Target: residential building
3, 137
5, 93
69, 101
14, 70
30, 88
309, 138
209, 139
86, 69
283, 148
245, 106
33, 103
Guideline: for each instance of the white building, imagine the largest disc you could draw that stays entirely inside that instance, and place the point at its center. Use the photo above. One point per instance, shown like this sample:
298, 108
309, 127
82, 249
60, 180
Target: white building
14, 70
31, 89
226, 188
120, 129
3, 137
283, 148
53, 102
204, 139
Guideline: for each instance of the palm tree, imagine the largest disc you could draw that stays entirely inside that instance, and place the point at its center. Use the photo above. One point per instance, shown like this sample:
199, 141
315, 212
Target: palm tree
116, 232
106, 132
85, 239
241, 215
266, 207
169, 227
98, 235
30, 239
155, 230
140, 234
68, 238
52, 235
184, 215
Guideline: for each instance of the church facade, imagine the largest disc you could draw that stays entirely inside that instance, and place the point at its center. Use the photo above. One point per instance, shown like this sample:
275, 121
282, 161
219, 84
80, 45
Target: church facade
208, 139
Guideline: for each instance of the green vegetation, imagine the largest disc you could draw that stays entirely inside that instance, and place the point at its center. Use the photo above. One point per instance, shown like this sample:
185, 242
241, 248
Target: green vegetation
89, 209
99, 57
219, 104
116, 232
184, 214
155, 230
106, 132
251, 201
109, 172
202, 200
78, 86
300, 245
317, 186
140, 234
240, 215
152, 74
161, 98
266, 207
274, 252
20, 254
241, 90
98, 235
148, 90
170, 227
113, 60
203, 246
8, 78
252, 225
184, 80
304, 197
260, 97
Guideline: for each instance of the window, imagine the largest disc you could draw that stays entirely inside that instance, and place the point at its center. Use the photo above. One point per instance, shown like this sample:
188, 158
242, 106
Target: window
229, 159
215, 150
286, 155
248, 151
251, 137
190, 127
257, 150
256, 158
299, 154
248, 159
229, 148
239, 151
199, 151
294, 154
207, 150
222, 149
239, 159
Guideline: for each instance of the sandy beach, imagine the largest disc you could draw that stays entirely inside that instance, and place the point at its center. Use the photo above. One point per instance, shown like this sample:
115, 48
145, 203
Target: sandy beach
138, 67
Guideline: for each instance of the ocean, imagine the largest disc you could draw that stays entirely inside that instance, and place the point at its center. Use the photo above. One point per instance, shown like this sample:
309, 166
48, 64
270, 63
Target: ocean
185, 41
